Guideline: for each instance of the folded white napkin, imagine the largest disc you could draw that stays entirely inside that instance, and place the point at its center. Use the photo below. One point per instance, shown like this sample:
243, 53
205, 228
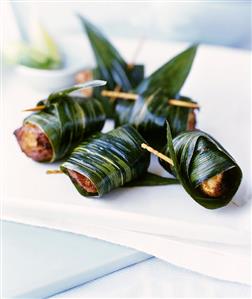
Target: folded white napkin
163, 221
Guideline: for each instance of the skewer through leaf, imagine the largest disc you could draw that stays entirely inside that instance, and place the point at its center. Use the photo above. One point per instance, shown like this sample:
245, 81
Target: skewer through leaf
204, 168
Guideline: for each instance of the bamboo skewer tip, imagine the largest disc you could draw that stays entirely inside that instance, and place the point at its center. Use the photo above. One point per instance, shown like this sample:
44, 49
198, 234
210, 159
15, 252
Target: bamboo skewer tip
185, 104
54, 171
37, 108
157, 153
133, 96
127, 96
119, 94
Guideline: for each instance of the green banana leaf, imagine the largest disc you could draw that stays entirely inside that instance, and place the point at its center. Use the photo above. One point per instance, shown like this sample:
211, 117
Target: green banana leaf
60, 94
123, 110
109, 160
198, 157
150, 111
148, 116
151, 179
170, 77
110, 66
66, 119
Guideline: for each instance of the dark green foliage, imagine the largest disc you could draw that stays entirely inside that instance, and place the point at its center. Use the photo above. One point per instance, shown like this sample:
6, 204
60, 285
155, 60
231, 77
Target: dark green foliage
109, 160
66, 119
110, 66
198, 157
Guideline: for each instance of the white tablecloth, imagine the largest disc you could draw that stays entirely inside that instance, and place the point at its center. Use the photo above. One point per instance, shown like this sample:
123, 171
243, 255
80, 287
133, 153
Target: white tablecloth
156, 278
211, 67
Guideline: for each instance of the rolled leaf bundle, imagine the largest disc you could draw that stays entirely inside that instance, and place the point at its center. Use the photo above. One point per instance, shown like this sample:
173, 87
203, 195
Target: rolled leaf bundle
50, 134
205, 169
106, 161
111, 66
149, 115
150, 111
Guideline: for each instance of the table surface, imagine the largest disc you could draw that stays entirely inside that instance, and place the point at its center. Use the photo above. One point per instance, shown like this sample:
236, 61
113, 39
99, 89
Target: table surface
39, 259
40, 262
157, 278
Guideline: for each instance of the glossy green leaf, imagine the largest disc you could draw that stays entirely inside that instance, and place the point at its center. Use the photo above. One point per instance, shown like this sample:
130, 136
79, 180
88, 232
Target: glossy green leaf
60, 94
151, 179
110, 66
67, 121
123, 110
109, 160
170, 77
198, 157
148, 116
150, 111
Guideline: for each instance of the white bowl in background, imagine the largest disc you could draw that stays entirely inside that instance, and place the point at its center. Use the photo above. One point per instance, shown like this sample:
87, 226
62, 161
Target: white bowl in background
76, 56
48, 80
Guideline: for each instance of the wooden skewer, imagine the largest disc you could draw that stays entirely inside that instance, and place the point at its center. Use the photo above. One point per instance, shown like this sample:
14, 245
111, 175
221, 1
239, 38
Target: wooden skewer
117, 88
183, 103
133, 97
106, 93
37, 108
118, 94
54, 171
158, 154
167, 159
144, 146
128, 96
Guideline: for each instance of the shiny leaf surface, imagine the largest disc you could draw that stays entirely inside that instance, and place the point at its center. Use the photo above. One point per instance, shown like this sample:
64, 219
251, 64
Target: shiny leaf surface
109, 160
198, 157
67, 121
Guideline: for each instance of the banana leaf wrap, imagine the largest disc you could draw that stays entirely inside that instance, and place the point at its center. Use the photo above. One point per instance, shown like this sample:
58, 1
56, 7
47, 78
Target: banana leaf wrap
150, 111
170, 77
197, 157
149, 115
66, 120
109, 160
111, 66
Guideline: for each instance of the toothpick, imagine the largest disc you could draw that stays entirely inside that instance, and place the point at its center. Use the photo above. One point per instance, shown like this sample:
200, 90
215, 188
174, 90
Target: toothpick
133, 97
117, 88
54, 171
183, 104
112, 94
158, 154
118, 94
37, 108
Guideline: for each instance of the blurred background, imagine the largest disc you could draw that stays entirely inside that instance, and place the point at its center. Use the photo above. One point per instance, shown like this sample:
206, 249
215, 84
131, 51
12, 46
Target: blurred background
214, 83
226, 23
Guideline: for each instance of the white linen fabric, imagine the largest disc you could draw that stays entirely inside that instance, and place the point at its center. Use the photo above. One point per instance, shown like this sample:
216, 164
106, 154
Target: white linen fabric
155, 278
162, 221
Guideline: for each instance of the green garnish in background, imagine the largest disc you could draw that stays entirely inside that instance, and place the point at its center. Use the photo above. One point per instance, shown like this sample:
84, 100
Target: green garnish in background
41, 52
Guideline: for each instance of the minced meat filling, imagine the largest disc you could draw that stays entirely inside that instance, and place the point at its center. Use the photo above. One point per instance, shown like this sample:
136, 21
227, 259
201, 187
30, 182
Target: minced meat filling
191, 121
214, 186
34, 143
83, 181
83, 76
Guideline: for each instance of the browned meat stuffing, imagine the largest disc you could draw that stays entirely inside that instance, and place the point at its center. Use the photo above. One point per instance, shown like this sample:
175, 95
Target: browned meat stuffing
82, 77
34, 143
214, 186
191, 121
83, 181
